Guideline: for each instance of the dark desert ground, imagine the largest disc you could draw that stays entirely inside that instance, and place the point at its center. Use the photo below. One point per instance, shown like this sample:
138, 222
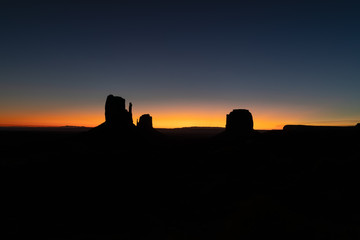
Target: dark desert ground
193, 183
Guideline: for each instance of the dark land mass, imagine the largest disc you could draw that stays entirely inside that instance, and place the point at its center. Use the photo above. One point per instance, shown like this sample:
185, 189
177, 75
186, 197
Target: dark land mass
45, 129
121, 181
191, 132
184, 131
292, 184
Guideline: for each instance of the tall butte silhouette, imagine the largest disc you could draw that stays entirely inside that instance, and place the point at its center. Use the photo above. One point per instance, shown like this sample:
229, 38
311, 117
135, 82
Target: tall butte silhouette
119, 120
116, 115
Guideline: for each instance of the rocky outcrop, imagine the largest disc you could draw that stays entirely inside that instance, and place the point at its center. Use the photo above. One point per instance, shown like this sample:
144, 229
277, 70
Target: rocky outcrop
239, 127
145, 122
239, 121
116, 115
119, 127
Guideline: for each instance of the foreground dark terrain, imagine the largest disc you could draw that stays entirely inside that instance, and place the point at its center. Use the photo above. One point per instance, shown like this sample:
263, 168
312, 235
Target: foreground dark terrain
299, 183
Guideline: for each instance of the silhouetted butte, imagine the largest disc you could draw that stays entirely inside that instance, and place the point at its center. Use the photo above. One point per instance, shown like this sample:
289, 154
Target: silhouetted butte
145, 122
239, 122
119, 125
116, 115
239, 126
117, 118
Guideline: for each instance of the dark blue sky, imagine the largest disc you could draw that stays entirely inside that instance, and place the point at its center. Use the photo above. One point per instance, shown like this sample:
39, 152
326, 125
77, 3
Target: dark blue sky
296, 60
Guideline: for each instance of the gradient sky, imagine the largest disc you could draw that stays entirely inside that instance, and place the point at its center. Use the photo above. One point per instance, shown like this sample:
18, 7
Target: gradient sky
187, 63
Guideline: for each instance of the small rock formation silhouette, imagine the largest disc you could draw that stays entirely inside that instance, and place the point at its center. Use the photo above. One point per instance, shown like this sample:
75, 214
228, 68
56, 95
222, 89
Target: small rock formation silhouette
240, 122
145, 122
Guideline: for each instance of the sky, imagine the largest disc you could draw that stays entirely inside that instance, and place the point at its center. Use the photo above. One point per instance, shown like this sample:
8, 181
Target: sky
187, 63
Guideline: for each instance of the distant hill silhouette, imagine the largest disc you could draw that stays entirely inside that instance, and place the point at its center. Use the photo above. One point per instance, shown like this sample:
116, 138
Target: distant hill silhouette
311, 128
48, 129
322, 131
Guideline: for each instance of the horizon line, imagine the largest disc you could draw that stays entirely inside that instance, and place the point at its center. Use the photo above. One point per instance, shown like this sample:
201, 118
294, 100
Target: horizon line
74, 126
317, 123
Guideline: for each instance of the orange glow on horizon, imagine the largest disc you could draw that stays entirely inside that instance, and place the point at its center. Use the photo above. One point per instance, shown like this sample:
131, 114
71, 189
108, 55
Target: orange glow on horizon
163, 117
160, 120
85, 119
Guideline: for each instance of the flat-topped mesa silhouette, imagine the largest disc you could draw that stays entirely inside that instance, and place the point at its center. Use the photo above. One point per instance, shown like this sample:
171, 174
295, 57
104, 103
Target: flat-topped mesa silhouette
239, 127
324, 131
145, 122
239, 122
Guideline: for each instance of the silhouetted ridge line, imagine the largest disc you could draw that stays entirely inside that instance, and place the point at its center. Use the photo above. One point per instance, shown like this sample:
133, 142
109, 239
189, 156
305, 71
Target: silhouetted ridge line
311, 128
324, 132
49, 129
